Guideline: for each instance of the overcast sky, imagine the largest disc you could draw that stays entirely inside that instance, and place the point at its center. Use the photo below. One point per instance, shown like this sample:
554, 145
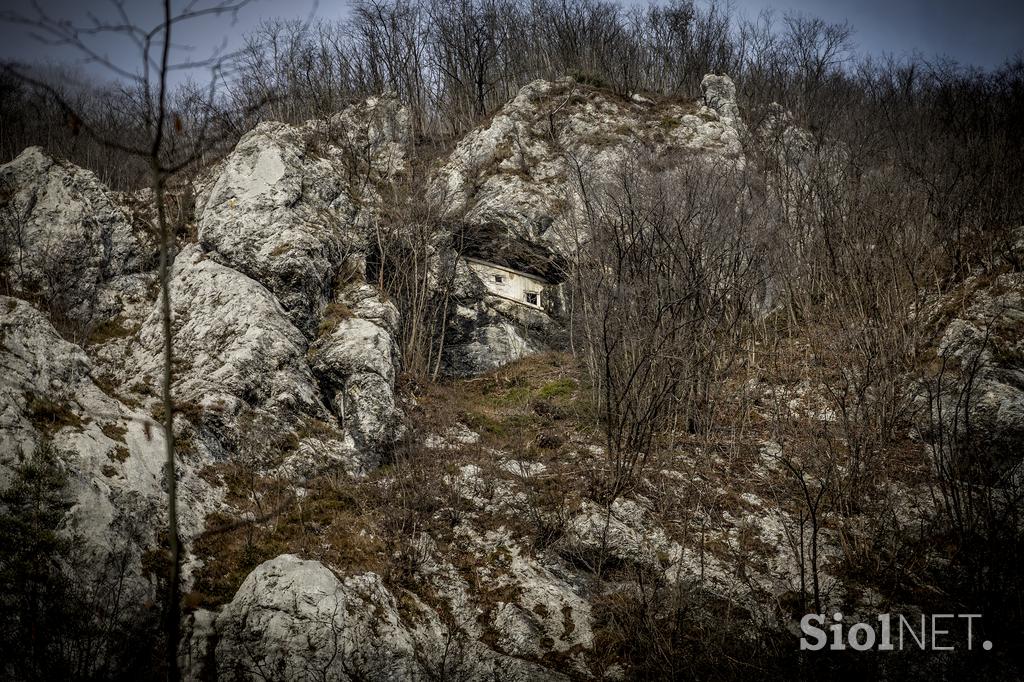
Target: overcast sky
977, 32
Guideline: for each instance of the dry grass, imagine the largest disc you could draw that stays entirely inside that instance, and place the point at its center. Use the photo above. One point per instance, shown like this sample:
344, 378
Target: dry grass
531, 409
109, 331
50, 416
114, 432
334, 315
517, 408
330, 525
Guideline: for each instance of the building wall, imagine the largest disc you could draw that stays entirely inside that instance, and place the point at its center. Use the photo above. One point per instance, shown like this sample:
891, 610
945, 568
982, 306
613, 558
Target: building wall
514, 285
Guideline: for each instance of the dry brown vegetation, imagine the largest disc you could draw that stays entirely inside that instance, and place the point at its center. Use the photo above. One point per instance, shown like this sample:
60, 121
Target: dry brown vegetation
531, 408
539, 410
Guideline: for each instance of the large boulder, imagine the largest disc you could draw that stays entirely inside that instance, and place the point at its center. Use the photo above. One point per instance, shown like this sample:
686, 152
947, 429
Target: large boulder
288, 203
276, 215
240, 361
295, 619
356, 360
62, 234
234, 340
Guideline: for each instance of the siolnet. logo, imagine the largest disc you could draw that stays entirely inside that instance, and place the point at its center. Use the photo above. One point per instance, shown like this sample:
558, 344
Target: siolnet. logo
935, 632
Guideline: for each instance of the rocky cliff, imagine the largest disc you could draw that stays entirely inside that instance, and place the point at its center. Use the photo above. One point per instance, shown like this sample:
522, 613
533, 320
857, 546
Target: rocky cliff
286, 382
527, 170
258, 353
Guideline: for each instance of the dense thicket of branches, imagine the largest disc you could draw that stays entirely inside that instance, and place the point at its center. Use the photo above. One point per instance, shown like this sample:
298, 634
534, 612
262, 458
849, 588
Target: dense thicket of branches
665, 284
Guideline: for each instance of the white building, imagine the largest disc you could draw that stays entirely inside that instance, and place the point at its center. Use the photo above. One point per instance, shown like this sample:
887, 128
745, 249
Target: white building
505, 282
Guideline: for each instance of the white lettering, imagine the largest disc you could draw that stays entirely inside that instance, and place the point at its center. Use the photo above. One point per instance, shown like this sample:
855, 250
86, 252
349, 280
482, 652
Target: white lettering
854, 639
837, 633
810, 630
936, 631
970, 632
905, 625
886, 644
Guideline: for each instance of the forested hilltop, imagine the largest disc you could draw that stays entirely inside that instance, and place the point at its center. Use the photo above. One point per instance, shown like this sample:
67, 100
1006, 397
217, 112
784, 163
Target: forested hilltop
508, 340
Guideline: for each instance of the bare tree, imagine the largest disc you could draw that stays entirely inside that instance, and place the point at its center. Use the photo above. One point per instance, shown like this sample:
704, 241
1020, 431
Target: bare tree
166, 151
666, 278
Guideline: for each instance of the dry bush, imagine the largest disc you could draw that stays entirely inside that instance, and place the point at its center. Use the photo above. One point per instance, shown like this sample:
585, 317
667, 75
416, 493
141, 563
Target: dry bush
663, 631
978, 482
664, 291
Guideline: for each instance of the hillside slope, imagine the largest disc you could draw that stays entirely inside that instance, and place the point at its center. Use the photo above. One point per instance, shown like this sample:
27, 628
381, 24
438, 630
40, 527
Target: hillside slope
345, 519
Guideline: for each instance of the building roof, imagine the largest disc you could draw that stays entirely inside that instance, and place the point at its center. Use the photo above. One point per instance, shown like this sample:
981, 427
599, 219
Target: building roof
504, 268
492, 243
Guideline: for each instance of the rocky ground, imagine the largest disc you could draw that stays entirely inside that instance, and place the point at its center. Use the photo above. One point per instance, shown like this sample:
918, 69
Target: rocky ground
342, 522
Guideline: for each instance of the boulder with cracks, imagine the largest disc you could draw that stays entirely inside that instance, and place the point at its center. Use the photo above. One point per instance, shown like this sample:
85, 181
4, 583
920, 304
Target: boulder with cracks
65, 234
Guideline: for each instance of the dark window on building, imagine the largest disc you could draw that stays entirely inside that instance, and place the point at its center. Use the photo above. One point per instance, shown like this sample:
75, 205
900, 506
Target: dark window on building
532, 298
499, 279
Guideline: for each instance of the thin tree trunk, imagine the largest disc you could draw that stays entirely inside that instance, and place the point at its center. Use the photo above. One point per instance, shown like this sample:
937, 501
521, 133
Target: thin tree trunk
159, 180
173, 596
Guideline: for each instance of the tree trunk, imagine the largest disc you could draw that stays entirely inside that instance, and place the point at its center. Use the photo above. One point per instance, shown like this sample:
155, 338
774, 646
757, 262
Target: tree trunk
173, 624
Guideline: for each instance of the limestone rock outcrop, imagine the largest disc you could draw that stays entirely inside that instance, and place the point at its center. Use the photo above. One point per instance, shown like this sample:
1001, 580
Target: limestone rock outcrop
281, 342
236, 345
981, 387
518, 169
288, 200
247, 302
489, 332
114, 454
720, 96
356, 360
525, 170
295, 619
64, 232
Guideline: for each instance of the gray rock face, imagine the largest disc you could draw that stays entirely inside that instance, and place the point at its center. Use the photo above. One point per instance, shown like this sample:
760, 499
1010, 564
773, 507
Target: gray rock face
236, 343
286, 210
285, 207
720, 95
275, 215
355, 362
279, 223
296, 620
113, 454
62, 232
490, 332
519, 168
544, 613
275, 224
786, 144
984, 350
